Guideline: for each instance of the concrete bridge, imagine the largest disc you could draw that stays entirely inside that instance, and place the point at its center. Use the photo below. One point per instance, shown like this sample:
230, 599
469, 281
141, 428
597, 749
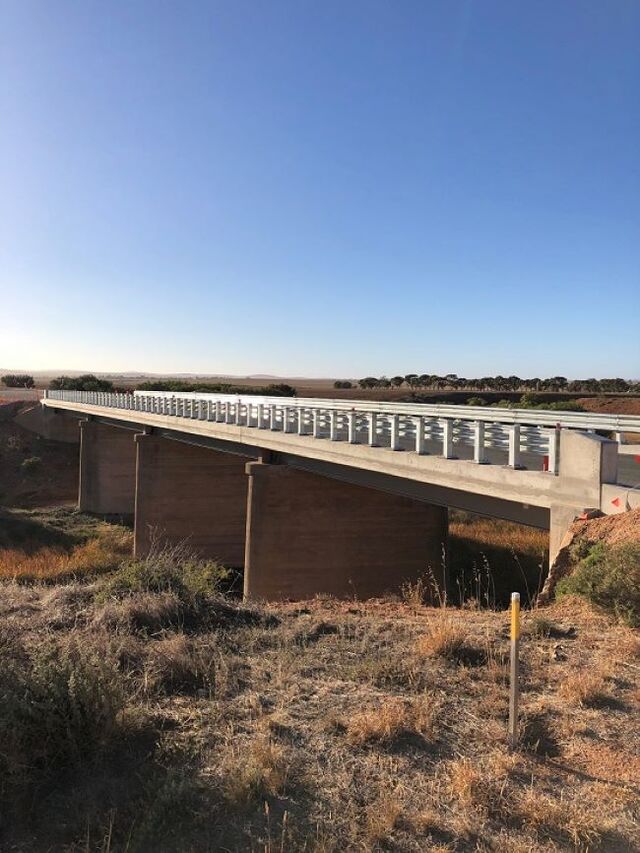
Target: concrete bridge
338, 497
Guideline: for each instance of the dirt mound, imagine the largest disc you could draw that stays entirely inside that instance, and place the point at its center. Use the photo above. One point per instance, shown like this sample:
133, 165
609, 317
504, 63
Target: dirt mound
610, 529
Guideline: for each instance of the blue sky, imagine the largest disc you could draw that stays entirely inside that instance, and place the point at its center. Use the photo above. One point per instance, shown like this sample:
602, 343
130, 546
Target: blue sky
321, 188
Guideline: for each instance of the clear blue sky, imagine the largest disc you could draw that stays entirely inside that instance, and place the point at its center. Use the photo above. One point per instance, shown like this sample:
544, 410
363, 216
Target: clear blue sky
332, 188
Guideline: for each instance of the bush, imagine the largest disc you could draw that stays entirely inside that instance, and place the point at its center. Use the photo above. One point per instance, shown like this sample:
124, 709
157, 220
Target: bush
87, 382
342, 383
172, 569
60, 707
608, 577
18, 380
280, 389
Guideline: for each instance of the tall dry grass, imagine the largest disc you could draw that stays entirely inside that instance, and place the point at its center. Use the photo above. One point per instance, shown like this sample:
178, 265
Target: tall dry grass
99, 555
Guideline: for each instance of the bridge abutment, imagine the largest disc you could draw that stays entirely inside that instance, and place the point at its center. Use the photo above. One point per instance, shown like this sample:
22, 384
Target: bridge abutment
186, 493
107, 469
308, 534
587, 462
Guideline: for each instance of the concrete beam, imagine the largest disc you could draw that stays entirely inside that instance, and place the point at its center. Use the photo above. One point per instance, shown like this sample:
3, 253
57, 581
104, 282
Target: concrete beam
308, 534
107, 470
52, 424
192, 494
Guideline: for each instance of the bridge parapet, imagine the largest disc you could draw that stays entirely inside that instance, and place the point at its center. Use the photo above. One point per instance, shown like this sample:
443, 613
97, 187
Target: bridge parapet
516, 438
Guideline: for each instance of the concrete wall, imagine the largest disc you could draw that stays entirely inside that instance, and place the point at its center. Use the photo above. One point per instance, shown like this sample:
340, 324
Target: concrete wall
190, 493
107, 469
308, 534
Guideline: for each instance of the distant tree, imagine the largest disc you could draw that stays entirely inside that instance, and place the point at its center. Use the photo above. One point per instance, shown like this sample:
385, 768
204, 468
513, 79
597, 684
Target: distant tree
87, 382
18, 380
342, 383
368, 382
280, 389
397, 381
178, 385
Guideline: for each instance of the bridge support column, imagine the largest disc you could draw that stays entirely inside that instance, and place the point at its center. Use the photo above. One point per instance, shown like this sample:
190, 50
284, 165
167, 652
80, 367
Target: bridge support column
193, 494
107, 469
309, 534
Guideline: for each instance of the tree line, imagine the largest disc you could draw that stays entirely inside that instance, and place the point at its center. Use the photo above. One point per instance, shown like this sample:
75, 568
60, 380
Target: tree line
452, 382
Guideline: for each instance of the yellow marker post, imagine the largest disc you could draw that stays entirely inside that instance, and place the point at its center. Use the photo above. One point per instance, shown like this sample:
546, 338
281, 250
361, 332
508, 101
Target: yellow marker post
514, 692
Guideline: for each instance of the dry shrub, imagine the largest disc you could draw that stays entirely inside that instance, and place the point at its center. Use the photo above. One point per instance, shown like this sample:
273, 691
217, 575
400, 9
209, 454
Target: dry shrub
257, 771
584, 687
390, 722
61, 706
145, 612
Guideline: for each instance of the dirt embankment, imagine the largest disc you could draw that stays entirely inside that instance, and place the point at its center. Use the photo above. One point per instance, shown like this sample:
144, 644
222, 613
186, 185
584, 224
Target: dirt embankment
34, 471
609, 529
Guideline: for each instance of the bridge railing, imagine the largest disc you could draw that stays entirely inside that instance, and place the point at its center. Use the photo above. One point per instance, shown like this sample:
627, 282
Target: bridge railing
607, 422
483, 438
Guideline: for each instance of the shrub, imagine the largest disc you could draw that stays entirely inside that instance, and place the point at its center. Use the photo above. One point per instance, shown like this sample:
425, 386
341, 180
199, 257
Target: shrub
609, 577
280, 389
18, 380
86, 382
168, 569
60, 707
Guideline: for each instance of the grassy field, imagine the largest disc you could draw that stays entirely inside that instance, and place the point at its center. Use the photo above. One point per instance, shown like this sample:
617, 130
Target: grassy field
142, 710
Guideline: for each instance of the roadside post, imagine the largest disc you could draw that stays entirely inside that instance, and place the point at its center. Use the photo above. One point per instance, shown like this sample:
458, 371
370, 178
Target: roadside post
514, 688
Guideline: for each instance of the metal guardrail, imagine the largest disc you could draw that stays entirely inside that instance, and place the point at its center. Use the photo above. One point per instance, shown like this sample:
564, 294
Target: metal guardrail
418, 428
490, 414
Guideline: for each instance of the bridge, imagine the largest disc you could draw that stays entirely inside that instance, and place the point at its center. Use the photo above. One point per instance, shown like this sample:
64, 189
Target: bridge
339, 497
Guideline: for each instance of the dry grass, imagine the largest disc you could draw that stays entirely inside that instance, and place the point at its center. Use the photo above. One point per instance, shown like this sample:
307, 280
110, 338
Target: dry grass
444, 636
319, 726
97, 556
391, 721
258, 770
585, 687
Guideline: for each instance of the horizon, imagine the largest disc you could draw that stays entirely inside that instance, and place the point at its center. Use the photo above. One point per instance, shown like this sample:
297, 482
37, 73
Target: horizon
55, 372
341, 188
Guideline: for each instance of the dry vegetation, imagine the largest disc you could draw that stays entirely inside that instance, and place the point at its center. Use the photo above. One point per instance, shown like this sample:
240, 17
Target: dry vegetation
142, 710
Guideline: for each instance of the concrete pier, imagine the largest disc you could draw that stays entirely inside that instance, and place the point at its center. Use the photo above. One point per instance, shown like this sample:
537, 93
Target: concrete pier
308, 535
193, 494
107, 469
